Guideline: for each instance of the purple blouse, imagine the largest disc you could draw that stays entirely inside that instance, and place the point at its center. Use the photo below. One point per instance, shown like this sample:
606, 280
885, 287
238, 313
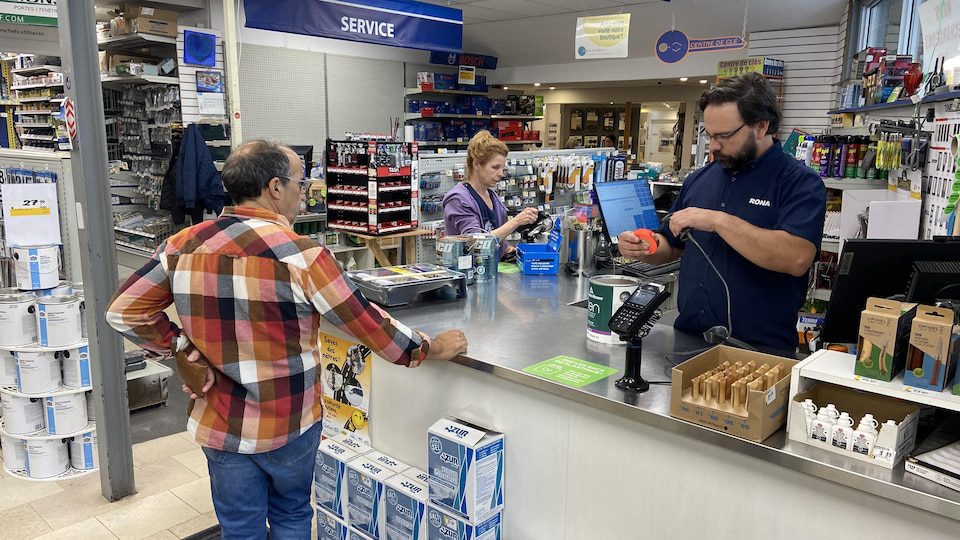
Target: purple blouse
462, 213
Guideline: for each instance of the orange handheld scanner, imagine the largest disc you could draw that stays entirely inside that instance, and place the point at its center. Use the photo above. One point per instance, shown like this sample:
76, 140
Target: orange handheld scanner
647, 236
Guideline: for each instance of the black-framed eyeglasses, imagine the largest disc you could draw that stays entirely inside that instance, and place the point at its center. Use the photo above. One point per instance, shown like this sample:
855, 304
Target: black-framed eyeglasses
304, 183
723, 137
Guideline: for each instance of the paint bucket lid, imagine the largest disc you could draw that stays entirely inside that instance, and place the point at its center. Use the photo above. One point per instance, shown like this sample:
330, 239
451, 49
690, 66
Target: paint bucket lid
17, 297
60, 299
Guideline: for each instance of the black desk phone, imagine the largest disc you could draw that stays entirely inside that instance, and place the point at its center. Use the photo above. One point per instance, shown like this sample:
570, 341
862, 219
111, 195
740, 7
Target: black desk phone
630, 320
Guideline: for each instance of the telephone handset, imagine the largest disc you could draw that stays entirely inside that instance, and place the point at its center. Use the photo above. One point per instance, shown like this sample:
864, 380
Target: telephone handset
629, 321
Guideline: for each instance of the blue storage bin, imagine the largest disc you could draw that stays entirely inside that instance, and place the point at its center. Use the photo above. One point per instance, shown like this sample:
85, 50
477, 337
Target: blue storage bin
538, 259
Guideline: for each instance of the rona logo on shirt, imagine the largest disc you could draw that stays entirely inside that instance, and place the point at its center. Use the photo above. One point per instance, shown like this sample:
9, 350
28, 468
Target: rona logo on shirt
759, 202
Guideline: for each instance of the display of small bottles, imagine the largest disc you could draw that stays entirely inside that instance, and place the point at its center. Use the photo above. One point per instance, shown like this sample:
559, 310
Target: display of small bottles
729, 384
827, 426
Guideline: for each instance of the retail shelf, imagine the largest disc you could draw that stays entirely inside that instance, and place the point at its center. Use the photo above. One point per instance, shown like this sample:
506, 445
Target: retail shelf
26, 113
667, 184
837, 368
347, 170
395, 209
139, 79
36, 70
347, 208
418, 116
398, 228
417, 91
821, 294
35, 125
33, 137
134, 248
134, 41
395, 188
36, 347
308, 218
353, 228
428, 144
861, 130
9, 102
133, 231
831, 245
935, 98
854, 183
42, 434
70, 474
37, 85
338, 191
61, 391
347, 249
35, 99
58, 100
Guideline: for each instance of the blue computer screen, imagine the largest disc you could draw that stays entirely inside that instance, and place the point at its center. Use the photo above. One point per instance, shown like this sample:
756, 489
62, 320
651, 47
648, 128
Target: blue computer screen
626, 206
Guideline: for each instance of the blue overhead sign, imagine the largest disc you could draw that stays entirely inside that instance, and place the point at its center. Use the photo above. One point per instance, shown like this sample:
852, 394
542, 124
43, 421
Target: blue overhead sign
398, 23
479, 61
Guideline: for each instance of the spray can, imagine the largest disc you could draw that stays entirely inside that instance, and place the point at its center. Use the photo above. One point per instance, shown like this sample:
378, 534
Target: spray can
853, 150
840, 157
826, 155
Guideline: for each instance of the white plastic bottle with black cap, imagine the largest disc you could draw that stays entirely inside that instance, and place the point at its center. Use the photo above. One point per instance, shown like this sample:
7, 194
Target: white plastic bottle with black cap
865, 435
842, 432
823, 425
809, 413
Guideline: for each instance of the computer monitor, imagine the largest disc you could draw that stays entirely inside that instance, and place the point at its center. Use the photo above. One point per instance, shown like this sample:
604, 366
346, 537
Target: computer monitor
934, 280
625, 205
879, 268
306, 155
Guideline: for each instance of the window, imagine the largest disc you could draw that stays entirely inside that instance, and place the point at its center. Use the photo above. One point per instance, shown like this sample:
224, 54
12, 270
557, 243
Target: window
892, 24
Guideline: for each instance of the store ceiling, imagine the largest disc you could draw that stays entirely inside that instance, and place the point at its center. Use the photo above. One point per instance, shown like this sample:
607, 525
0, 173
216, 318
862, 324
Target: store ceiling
540, 32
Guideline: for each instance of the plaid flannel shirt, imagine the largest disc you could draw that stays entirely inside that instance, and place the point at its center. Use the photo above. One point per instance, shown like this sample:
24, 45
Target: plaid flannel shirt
252, 296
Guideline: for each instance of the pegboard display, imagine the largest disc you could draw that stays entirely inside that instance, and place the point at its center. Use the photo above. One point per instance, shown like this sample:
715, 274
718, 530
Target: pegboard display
940, 181
282, 96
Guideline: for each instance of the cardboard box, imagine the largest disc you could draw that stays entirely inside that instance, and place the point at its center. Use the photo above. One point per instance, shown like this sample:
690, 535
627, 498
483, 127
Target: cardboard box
365, 501
765, 411
417, 474
329, 477
884, 338
359, 447
329, 527
354, 534
892, 444
145, 20
393, 465
465, 463
509, 130
425, 81
405, 515
443, 525
932, 356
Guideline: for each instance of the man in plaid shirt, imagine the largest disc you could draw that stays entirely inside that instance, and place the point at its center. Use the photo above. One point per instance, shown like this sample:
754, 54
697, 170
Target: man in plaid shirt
252, 297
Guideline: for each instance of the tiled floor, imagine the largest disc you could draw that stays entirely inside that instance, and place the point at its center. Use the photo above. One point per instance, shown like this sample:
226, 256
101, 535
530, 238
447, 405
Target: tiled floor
172, 501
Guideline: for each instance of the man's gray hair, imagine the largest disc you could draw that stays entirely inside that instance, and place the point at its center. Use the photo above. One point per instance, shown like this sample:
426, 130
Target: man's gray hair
249, 169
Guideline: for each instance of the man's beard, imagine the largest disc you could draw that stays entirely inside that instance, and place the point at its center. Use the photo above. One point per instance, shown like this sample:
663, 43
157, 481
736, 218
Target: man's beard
737, 162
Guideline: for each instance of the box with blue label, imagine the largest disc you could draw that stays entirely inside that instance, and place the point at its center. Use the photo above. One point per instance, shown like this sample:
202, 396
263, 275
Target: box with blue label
393, 465
329, 476
365, 485
330, 527
417, 474
444, 81
442, 525
465, 464
352, 443
354, 534
542, 259
934, 347
405, 514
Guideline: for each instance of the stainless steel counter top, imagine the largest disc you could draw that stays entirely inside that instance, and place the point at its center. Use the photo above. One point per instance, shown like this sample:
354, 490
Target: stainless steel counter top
521, 320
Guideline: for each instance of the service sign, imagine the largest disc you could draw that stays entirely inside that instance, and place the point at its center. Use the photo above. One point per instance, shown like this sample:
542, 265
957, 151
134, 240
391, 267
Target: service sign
604, 36
33, 12
397, 23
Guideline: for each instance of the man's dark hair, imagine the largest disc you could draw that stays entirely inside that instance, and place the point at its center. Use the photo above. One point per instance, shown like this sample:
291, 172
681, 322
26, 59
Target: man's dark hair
754, 98
250, 167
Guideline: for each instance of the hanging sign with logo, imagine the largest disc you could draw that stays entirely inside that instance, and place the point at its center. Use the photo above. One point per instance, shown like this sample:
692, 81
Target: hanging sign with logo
674, 45
480, 61
398, 23
604, 36
32, 12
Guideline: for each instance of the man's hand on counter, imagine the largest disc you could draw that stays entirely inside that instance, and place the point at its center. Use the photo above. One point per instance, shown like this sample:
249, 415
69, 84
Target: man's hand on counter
447, 345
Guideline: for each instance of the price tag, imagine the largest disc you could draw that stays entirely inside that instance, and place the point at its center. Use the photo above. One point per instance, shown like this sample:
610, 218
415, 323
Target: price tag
771, 394
31, 214
865, 379
464, 262
915, 390
883, 454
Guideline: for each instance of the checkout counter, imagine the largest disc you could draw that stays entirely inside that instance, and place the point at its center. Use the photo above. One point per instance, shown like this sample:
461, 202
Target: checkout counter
596, 462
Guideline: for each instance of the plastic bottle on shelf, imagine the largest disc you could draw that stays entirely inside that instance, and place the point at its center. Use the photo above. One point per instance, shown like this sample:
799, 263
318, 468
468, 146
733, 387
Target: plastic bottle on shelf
842, 432
809, 413
823, 425
865, 435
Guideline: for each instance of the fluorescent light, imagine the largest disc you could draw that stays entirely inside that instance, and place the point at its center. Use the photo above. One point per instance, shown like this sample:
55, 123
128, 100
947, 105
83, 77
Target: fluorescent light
611, 103
553, 87
536, 84
506, 87
683, 79
703, 81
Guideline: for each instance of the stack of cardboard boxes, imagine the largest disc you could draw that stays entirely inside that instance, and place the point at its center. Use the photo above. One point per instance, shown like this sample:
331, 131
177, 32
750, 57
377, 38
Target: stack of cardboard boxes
136, 19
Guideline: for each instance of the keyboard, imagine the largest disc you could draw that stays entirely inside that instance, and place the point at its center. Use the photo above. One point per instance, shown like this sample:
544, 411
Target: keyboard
642, 269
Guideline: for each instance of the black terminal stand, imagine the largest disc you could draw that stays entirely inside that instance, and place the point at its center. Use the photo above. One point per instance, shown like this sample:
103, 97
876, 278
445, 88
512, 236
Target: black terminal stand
632, 380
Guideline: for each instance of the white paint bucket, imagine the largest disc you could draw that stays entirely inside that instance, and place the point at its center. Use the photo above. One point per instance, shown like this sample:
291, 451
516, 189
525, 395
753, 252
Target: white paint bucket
47, 458
14, 453
76, 366
8, 369
58, 321
77, 289
38, 372
604, 298
37, 267
18, 323
63, 288
90, 416
83, 451
22, 415
66, 414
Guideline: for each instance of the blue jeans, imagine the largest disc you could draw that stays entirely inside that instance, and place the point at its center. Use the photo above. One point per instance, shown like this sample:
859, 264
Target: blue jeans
251, 489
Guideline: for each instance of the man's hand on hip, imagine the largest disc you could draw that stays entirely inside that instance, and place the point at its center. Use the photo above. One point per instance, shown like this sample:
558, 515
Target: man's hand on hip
447, 345
195, 356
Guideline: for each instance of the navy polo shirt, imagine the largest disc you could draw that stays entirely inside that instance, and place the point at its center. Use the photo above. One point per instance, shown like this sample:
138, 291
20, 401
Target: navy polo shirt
775, 191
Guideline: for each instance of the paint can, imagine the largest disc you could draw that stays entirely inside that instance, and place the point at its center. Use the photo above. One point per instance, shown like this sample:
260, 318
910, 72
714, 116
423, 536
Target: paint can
37, 267
486, 257
8, 369
58, 321
83, 451
604, 297
76, 366
77, 288
63, 288
37, 371
66, 414
89, 395
18, 322
453, 253
14, 453
47, 458
22, 415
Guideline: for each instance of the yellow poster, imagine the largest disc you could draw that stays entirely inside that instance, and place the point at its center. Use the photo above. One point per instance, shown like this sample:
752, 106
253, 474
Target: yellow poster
603, 36
346, 367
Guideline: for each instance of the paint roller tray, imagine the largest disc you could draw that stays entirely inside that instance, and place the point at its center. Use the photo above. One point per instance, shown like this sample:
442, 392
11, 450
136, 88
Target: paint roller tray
400, 285
43, 435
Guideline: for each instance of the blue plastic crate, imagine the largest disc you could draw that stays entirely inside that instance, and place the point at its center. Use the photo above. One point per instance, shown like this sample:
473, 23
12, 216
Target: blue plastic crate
538, 259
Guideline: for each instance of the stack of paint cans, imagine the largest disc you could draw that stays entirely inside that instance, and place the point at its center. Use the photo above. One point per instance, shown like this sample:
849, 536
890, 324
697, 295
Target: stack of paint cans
46, 431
